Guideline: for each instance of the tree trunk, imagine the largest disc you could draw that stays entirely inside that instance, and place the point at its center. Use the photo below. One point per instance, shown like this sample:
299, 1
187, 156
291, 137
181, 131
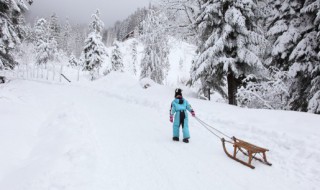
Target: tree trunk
232, 87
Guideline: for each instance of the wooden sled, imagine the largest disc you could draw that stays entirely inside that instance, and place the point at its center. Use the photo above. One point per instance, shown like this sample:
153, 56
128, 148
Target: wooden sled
247, 149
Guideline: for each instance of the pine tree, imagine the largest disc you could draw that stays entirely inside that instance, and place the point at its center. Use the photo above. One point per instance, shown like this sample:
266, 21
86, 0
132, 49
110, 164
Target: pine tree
293, 31
67, 38
46, 51
94, 52
123, 30
55, 29
41, 30
116, 58
73, 61
46, 45
134, 56
181, 15
80, 36
96, 25
230, 44
312, 9
155, 63
11, 30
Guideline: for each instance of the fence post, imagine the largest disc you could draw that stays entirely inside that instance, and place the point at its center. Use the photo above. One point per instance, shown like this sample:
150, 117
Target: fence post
60, 73
78, 74
54, 72
27, 71
41, 71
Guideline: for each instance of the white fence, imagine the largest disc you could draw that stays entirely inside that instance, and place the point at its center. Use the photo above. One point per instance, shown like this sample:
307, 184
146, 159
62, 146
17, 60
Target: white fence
50, 72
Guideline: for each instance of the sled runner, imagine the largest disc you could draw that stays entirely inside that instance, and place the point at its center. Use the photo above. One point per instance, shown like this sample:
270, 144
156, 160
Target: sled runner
247, 149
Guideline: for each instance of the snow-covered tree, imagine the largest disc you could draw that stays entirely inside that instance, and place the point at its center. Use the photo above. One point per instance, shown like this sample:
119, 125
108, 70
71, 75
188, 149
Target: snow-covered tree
97, 24
45, 44
293, 29
231, 44
73, 61
67, 38
94, 52
314, 102
46, 51
116, 58
11, 30
55, 29
122, 28
134, 56
41, 30
155, 63
79, 35
181, 17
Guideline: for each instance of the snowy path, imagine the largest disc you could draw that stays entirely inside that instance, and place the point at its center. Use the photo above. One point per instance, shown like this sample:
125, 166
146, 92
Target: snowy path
115, 135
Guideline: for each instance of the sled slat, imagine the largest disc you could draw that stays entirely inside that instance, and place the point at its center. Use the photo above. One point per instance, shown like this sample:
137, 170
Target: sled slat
247, 149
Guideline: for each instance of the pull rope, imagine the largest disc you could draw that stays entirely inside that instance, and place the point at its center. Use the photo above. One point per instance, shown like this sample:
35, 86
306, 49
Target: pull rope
210, 128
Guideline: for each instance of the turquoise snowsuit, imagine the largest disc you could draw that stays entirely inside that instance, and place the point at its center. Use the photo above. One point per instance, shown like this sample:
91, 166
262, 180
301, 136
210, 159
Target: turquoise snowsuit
179, 109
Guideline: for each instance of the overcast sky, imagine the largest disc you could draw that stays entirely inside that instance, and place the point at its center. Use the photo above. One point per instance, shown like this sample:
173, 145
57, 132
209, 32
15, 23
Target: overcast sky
80, 11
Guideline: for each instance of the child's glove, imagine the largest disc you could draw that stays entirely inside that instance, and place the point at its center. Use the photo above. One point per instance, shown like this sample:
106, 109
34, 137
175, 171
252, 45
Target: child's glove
171, 118
193, 113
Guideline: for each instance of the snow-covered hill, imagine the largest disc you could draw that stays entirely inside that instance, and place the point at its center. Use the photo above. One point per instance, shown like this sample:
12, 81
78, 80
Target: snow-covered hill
113, 134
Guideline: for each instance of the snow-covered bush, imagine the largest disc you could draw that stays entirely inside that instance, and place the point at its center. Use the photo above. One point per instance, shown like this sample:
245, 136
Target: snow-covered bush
272, 93
146, 83
73, 61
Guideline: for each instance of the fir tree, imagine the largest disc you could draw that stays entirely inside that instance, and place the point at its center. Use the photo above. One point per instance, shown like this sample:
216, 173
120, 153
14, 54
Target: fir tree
46, 45
67, 38
73, 61
80, 36
55, 29
134, 57
293, 31
11, 30
41, 30
230, 44
94, 52
155, 63
96, 25
116, 58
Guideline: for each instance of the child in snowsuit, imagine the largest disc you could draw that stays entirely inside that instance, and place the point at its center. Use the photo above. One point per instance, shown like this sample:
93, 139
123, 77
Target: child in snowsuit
179, 109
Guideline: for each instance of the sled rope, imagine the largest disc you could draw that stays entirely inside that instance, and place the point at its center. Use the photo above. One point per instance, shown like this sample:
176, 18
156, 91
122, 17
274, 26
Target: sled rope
208, 127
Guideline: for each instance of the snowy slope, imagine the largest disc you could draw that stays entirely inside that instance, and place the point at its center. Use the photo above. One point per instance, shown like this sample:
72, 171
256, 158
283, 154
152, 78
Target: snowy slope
113, 134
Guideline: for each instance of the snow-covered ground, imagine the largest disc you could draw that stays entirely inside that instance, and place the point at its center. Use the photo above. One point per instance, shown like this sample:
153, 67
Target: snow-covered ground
113, 134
